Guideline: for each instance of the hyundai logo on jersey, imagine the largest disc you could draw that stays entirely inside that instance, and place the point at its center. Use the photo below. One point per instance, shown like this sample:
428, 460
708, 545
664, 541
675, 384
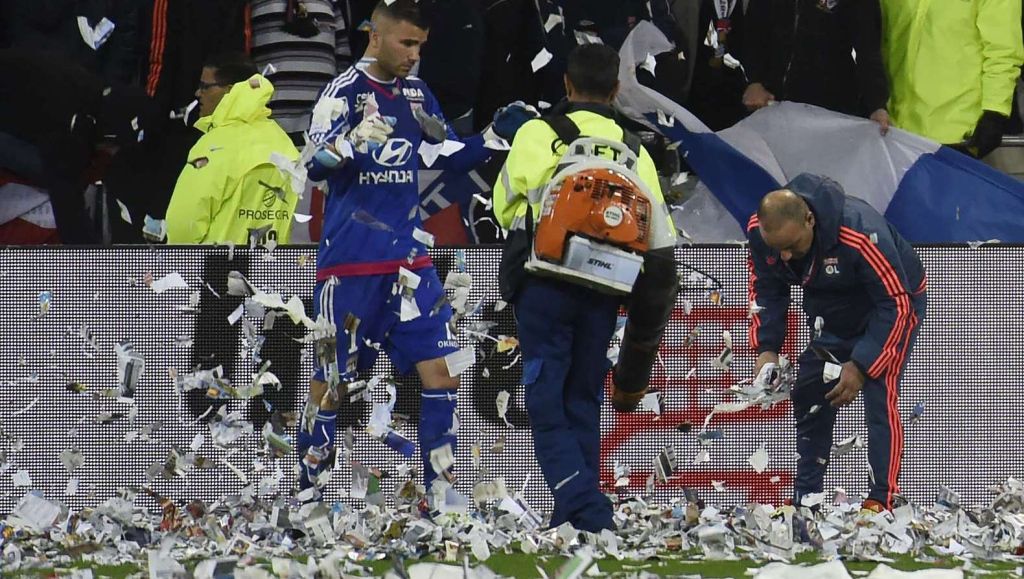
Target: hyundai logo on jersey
394, 153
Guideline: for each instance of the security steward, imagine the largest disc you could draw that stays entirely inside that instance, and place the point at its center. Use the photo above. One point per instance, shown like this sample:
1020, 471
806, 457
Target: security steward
564, 327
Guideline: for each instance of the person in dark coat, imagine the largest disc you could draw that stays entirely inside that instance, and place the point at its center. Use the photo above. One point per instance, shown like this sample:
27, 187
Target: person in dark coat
452, 58
60, 131
515, 34
68, 26
803, 51
713, 90
180, 35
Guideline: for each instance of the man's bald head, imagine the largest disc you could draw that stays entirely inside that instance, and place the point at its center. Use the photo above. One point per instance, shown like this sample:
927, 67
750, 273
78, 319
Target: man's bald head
786, 223
780, 206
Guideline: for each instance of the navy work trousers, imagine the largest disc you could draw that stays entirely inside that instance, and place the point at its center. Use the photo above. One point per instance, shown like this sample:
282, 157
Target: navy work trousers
564, 332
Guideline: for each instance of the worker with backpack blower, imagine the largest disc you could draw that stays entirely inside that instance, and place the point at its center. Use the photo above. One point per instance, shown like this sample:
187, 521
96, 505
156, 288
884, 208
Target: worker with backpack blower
588, 231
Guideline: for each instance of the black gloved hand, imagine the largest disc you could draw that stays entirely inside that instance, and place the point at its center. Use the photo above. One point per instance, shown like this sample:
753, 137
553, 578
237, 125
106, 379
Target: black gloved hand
987, 136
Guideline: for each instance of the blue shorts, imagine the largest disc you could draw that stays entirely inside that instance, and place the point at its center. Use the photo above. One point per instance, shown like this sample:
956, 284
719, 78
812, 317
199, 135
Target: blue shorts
370, 299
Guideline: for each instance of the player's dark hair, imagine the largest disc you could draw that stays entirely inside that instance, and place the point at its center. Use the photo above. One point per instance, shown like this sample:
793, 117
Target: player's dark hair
593, 69
402, 11
231, 67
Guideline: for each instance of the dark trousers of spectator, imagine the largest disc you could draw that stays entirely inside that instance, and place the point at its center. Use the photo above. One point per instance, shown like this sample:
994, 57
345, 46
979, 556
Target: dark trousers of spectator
26, 161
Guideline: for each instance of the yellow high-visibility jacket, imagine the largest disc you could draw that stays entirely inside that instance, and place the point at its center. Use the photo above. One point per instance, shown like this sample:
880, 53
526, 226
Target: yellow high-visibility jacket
229, 186
531, 164
948, 60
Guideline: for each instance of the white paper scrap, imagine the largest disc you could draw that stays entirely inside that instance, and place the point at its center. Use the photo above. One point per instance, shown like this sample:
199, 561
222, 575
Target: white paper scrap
566, 480
125, 215
759, 460
409, 310
651, 401
831, 372
460, 361
541, 59
478, 544
450, 147
553, 20
702, 456
812, 499
423, 237
429, 152
831, 570
649, 64
172, 280
21, 479
37, 511
502, 403
408, 279
442, 458
236, 315
95, 36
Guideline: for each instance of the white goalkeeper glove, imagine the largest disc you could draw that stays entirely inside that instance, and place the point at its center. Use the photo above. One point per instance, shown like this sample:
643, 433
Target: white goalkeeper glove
372, 132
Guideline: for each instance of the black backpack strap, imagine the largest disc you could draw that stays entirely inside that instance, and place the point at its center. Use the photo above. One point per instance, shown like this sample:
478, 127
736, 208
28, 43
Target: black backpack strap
565, 129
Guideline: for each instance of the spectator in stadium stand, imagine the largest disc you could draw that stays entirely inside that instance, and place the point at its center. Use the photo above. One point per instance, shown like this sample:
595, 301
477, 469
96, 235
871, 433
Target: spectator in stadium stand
953, 68
864, 293
803, 51
712, 86
514, 34
60, 125
181, 36
178, 37
370, 125
229, 190
456, 36
100, 35
565, 328
306, 44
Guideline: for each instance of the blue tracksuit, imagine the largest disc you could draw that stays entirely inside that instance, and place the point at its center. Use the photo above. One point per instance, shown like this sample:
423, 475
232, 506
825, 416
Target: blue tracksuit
868, 286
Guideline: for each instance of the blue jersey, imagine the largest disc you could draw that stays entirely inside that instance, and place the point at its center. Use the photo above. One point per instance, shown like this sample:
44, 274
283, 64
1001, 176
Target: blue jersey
372, 206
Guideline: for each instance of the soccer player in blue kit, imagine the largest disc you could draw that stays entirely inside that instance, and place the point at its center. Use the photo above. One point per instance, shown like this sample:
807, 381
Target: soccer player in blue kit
369, 124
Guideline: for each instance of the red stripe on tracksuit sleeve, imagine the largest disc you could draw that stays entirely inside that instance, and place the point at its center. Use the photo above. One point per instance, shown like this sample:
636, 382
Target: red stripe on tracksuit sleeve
890, 281
247, 17
755, 319
158, 39
889, 351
